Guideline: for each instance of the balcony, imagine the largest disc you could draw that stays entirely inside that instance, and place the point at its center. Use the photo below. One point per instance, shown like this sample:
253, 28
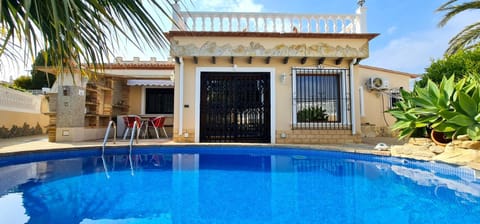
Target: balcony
272, 22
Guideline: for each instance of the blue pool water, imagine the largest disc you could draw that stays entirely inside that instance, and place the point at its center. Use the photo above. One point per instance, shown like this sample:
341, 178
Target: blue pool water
232, 184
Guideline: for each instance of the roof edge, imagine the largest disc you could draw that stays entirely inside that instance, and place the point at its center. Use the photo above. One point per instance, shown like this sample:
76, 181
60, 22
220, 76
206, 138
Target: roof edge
389, 70
368, 36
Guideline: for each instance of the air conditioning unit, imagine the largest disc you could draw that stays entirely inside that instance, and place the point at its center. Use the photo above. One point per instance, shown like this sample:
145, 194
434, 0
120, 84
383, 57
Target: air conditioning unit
377, 83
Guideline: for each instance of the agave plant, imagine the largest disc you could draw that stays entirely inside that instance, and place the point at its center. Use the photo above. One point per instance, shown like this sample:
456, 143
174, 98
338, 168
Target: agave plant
432, 101
453, 109
408, 123
465, 117
422, 109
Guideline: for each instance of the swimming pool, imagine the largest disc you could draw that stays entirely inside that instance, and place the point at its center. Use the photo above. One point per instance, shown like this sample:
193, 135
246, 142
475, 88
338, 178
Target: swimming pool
232, 184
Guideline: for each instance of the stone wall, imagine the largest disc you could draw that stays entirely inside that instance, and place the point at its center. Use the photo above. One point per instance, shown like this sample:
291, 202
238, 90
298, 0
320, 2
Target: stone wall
294, 136
316, 137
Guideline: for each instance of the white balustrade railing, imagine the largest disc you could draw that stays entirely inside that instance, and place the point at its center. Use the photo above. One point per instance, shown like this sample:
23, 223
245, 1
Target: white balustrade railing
271, 22
14, 100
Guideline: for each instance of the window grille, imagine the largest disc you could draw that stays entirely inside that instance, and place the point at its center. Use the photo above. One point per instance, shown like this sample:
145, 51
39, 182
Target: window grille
395, 97
321, 98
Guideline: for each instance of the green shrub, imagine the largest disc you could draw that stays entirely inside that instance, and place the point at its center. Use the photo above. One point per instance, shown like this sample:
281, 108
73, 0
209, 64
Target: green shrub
312, 114
460, 64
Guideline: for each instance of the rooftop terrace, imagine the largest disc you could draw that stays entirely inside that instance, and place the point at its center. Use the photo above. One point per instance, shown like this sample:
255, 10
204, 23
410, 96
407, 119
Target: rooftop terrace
271, 22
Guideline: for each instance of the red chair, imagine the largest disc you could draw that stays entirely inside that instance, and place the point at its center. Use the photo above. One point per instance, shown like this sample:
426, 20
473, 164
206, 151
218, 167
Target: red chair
157, 123
129, 121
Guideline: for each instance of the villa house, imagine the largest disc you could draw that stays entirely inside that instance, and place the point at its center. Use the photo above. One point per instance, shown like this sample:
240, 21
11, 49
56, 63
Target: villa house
245, 77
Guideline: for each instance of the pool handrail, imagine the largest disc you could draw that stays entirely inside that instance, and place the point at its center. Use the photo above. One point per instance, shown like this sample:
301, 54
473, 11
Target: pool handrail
107, 132
135, 131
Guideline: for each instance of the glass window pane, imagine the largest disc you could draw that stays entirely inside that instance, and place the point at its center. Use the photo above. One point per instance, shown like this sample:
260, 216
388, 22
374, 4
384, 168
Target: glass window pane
159, 101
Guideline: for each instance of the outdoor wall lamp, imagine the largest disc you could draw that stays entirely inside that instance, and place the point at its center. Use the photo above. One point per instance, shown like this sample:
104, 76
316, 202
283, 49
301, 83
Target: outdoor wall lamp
283, 77
172, 76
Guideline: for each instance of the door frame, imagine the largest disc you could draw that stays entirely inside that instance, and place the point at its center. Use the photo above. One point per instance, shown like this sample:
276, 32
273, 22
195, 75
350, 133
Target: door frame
271, 70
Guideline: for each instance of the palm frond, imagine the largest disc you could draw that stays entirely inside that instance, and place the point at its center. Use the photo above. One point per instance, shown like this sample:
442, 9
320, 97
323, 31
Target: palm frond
81, 31
468, 38
453, 10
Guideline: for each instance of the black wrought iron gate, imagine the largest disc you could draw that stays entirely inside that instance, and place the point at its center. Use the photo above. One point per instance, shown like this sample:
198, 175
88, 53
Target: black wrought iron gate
235, 107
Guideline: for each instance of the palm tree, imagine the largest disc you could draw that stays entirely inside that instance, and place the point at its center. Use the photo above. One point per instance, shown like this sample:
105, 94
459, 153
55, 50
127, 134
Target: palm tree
468, 38
80, 31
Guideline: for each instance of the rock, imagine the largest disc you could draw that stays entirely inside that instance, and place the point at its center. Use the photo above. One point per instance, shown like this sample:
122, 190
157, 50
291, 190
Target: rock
423, 154
463, 137
453, 153
471, 145
420, 141
456, 142
450, 152
458, 156
420, 152
401, 150
437, 149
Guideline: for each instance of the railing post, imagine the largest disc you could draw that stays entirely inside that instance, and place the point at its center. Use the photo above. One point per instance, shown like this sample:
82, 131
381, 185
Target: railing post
334, 19
239, 22
361, 20
194, 24
177, 16
265, 29
274, 18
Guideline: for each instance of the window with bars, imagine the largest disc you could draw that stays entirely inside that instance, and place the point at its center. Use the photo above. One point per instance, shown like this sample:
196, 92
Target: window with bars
395, 97
321, 98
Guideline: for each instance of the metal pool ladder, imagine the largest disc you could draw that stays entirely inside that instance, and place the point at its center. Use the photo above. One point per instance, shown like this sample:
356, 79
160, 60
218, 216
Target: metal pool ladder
135, 132
110, 125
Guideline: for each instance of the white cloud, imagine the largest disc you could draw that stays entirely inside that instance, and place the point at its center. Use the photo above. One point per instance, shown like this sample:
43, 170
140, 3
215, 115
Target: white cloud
411, 53
227, 6
414, 52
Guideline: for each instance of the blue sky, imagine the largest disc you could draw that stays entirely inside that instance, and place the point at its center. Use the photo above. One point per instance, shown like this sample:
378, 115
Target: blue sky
409, 36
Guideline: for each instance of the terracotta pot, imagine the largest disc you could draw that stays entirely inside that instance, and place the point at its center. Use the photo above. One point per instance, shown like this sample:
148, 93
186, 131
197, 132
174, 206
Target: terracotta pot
439, 138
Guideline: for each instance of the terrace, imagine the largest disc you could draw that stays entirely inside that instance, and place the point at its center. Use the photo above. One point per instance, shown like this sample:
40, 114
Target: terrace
272, 22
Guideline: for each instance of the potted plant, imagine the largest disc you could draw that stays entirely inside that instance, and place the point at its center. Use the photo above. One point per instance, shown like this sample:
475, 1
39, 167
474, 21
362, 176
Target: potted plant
312, 114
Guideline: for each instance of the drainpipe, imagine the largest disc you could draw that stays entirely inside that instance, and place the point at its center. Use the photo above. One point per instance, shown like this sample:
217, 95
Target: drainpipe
180, 106
352, 98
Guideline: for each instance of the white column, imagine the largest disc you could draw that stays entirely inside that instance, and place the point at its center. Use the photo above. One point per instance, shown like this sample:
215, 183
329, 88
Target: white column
361, 21
180, 106
352, 98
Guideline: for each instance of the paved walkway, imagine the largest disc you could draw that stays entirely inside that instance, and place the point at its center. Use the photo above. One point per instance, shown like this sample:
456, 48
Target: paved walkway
40, 143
